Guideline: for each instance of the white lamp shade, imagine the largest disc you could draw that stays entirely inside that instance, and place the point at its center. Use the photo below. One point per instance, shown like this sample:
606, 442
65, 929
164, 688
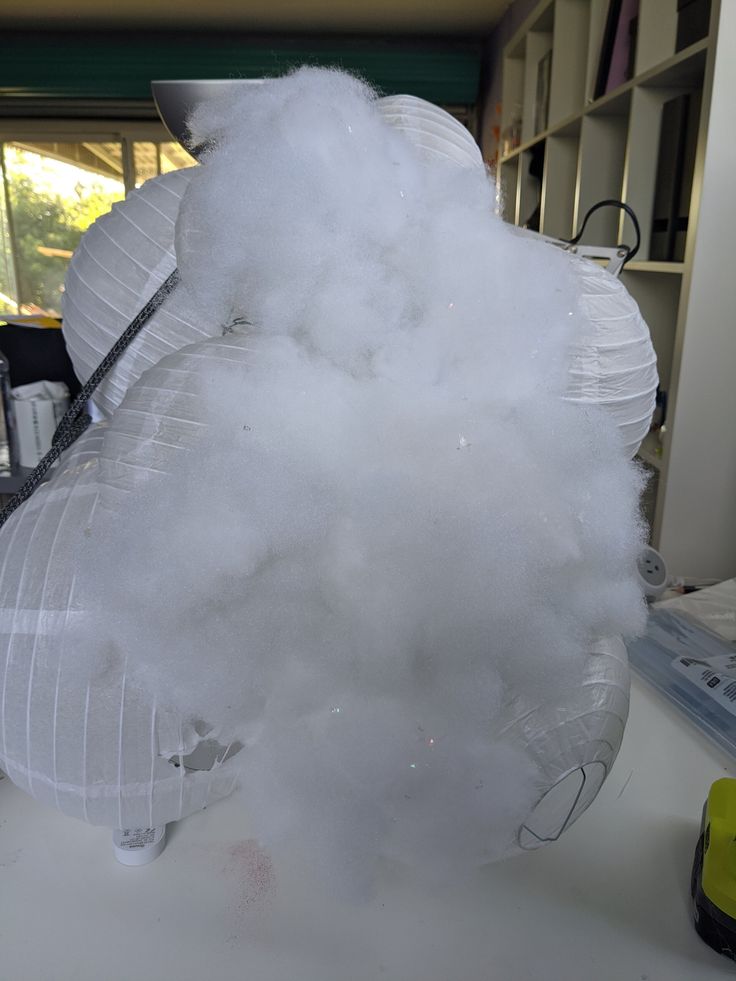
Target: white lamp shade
613, 363
121, 261
176, 98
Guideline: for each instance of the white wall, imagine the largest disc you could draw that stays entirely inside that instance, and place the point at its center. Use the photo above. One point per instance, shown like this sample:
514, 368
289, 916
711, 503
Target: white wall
698, 525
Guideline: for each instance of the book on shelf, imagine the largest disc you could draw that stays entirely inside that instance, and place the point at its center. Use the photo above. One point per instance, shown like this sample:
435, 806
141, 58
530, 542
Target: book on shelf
541, 105
618, 46
693, 21
686, 184
536, 173
604, 59
633, 36
675, 167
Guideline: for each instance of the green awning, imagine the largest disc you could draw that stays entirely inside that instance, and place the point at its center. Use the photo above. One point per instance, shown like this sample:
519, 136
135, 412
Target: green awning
120, 64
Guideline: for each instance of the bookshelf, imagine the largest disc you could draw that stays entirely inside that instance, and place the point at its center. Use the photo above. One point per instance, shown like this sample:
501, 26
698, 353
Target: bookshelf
610, 146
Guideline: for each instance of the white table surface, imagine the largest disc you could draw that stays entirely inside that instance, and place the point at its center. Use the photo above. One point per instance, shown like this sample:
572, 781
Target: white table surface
608, 902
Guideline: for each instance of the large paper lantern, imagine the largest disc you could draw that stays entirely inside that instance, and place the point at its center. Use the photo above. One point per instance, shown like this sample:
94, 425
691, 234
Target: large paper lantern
121, 261
76, 730
103, 750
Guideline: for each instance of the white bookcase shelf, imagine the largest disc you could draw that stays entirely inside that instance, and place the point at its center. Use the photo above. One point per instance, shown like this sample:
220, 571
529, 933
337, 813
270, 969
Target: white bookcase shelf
676, 268
591, 149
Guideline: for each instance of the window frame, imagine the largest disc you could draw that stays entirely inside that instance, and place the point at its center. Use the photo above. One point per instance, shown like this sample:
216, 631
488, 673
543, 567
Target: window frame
53, 129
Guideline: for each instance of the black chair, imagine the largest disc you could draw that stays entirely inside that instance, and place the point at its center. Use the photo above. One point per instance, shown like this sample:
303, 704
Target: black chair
36, 354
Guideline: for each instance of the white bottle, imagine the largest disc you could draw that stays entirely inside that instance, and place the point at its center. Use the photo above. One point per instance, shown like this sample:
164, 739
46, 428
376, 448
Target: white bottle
8, 441
138, 846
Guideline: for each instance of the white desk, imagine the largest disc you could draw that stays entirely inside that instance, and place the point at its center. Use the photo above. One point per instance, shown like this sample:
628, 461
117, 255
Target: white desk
609, 902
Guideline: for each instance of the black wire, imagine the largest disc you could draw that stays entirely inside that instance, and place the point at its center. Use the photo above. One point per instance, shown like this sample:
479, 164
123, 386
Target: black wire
612, 203
75, 419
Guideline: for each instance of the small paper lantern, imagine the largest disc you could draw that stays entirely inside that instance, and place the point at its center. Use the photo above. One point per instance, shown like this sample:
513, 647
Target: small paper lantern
575, 747
613, 364
121, 261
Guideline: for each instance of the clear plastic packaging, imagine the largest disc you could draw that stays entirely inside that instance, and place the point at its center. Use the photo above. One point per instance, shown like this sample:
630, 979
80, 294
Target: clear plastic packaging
692, 663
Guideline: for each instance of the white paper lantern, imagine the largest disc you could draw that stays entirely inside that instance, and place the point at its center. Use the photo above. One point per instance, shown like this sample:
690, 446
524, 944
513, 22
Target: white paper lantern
102, 751
126, 255
433, 130
121, 261
613, 363
574, 741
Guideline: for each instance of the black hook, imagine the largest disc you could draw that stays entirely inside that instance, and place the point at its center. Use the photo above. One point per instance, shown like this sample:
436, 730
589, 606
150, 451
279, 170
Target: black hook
612, 203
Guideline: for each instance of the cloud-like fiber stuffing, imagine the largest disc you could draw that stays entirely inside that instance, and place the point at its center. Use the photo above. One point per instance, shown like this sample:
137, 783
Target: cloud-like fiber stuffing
384, 534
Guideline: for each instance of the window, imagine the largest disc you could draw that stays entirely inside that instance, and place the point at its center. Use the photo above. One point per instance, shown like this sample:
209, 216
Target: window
55, 183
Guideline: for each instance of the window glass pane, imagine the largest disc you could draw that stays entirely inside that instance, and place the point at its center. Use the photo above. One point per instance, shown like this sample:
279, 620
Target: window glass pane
146, 158
175, 157
8, 284
55, 191
152, 159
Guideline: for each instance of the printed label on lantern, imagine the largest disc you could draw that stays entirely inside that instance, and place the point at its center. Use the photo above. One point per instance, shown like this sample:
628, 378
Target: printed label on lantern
720, 685
137, 837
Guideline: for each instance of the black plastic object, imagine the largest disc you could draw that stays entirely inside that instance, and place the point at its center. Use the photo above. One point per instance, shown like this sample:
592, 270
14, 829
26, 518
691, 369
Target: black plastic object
36, 354
713, 926
8, 435
693, 22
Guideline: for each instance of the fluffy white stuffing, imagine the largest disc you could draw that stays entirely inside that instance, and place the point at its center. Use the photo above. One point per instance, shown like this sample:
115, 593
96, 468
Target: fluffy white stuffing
392, 526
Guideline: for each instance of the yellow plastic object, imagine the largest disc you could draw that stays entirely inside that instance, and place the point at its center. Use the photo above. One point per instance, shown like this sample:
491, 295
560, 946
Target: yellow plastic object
32, 320
719, 847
